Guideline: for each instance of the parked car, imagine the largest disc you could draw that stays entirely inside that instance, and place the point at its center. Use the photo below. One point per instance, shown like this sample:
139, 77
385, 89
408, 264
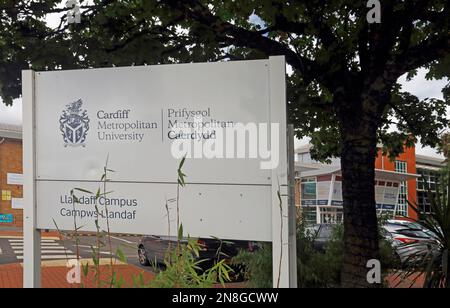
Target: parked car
410, 241
412, 225
152, 249
321, 233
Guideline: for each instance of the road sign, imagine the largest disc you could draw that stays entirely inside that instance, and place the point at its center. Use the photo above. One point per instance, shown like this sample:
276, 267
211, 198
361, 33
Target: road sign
6, 218
144, 119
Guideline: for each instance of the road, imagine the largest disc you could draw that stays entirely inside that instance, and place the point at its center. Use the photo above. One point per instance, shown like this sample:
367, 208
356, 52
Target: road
11, 249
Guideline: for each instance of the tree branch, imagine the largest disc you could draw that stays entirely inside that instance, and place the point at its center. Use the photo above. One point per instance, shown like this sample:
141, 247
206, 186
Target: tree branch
433, 48
403, 115
238, 36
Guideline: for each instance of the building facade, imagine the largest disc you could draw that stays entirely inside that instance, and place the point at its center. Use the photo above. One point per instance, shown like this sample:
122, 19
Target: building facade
429, 170
11, 213
397, 182
405, 163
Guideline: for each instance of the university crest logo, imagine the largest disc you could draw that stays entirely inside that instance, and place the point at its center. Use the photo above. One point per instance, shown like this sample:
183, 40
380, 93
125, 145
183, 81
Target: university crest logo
74, 124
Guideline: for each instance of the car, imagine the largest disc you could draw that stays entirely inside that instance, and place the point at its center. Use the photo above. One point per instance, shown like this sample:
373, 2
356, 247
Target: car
410, 242
413, 225
153, 249
321, 234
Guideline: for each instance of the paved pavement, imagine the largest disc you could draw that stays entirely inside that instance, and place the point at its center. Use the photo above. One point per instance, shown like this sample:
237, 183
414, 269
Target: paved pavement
55, 276
55, 253
54, 248
51, 249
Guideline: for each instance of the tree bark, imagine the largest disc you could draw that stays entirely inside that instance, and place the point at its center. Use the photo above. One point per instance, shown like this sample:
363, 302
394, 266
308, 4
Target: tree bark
358, 125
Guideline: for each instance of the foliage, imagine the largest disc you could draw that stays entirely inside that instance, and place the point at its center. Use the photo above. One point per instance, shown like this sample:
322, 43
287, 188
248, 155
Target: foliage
182, 264
183, 269
322, 42
433, 261
318, 269
315, 269
258, 265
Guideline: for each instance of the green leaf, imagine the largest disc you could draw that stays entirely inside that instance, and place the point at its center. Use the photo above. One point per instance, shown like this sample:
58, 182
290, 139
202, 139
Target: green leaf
85, 268
182, 163
121, 255
180, 232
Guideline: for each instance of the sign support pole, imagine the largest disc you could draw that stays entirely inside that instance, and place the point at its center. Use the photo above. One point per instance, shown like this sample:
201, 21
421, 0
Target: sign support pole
32, 236
279, 176
292, 209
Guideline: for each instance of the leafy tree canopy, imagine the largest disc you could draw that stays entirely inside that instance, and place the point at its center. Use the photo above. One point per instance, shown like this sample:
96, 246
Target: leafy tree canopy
329, 45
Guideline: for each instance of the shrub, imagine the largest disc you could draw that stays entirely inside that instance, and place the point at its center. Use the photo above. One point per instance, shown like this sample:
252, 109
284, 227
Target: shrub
315, 269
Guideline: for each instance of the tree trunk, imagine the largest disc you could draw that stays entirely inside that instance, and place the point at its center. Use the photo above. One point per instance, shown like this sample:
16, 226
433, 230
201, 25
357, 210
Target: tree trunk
358, 127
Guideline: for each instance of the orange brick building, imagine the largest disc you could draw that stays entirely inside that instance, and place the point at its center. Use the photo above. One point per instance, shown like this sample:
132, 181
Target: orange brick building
397, 181
11, 213
404, 163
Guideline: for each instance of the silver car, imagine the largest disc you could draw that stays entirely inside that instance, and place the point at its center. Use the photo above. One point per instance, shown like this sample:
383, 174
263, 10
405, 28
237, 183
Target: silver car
410, 242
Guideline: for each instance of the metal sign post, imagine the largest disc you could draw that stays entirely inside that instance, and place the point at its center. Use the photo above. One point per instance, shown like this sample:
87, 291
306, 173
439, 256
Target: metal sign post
292, 209
280, 222
32, 236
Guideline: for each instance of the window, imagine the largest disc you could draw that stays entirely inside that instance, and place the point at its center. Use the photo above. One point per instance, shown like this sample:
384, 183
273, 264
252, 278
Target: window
6, 195
308, 188
331, 215
310, 215
422, 201
402, 204
401, 166
427, 180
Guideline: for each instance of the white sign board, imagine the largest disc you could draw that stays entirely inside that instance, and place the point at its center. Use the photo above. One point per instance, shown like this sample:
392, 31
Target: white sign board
17, 203
133, 116
14, 179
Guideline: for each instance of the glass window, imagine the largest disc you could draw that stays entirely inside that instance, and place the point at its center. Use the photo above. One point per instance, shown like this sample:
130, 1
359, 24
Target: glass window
402, 204
428, 179
6, 195
412, 233
310, 215
401, 166
308, 188
422, 201
326, 231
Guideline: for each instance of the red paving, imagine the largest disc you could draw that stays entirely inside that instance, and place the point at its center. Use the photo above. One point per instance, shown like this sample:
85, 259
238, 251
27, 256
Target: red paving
11, 275
55, 277
413, 281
